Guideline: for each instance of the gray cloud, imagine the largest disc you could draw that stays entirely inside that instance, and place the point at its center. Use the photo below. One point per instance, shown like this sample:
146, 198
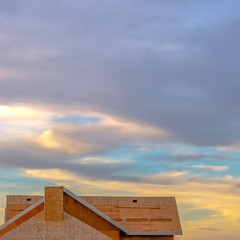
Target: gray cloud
194, 157
34, 157
160, 63
28, 155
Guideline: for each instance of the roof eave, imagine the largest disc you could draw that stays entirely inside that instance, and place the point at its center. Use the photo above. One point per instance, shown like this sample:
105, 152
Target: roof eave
154, 233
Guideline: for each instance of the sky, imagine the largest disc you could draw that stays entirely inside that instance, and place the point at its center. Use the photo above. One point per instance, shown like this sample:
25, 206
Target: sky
125, 97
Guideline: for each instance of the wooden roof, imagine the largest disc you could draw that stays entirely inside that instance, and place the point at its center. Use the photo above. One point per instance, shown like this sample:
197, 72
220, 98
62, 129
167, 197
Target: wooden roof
140, 214
133, 215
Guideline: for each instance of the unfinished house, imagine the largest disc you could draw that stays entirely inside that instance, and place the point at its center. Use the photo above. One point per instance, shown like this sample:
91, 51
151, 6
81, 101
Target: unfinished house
60, 214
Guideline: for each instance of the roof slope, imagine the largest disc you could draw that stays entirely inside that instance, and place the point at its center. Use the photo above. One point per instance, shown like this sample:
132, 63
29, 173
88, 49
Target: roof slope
150, 215
95, 210
22, 217
131, 215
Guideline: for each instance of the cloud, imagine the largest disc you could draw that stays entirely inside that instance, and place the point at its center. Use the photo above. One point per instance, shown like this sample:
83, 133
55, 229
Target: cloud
167, 178
151, 75
192, 157
55, 174
209, 229
30, 129
222, 155
212, 168
230, 148
19, 120
129, 60
97, 138
6, 111
33, 157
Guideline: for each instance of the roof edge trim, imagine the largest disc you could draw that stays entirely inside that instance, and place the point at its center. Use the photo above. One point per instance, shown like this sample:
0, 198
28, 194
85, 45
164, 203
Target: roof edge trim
22, 213
92, 208
154, 233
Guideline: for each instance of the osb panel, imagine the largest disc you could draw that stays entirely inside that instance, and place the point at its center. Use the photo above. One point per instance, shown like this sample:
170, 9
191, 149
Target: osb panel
21, 220
147, 238
22, 199
142, 214
79, 211
18, 203
147, 214
38, 229
128, 201
114, 235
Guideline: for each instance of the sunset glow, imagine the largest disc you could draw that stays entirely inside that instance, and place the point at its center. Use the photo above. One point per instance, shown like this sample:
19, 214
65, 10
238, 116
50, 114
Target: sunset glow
129, 98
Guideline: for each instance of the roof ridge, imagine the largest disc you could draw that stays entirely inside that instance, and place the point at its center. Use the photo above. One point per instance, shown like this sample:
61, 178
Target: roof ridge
92, 208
